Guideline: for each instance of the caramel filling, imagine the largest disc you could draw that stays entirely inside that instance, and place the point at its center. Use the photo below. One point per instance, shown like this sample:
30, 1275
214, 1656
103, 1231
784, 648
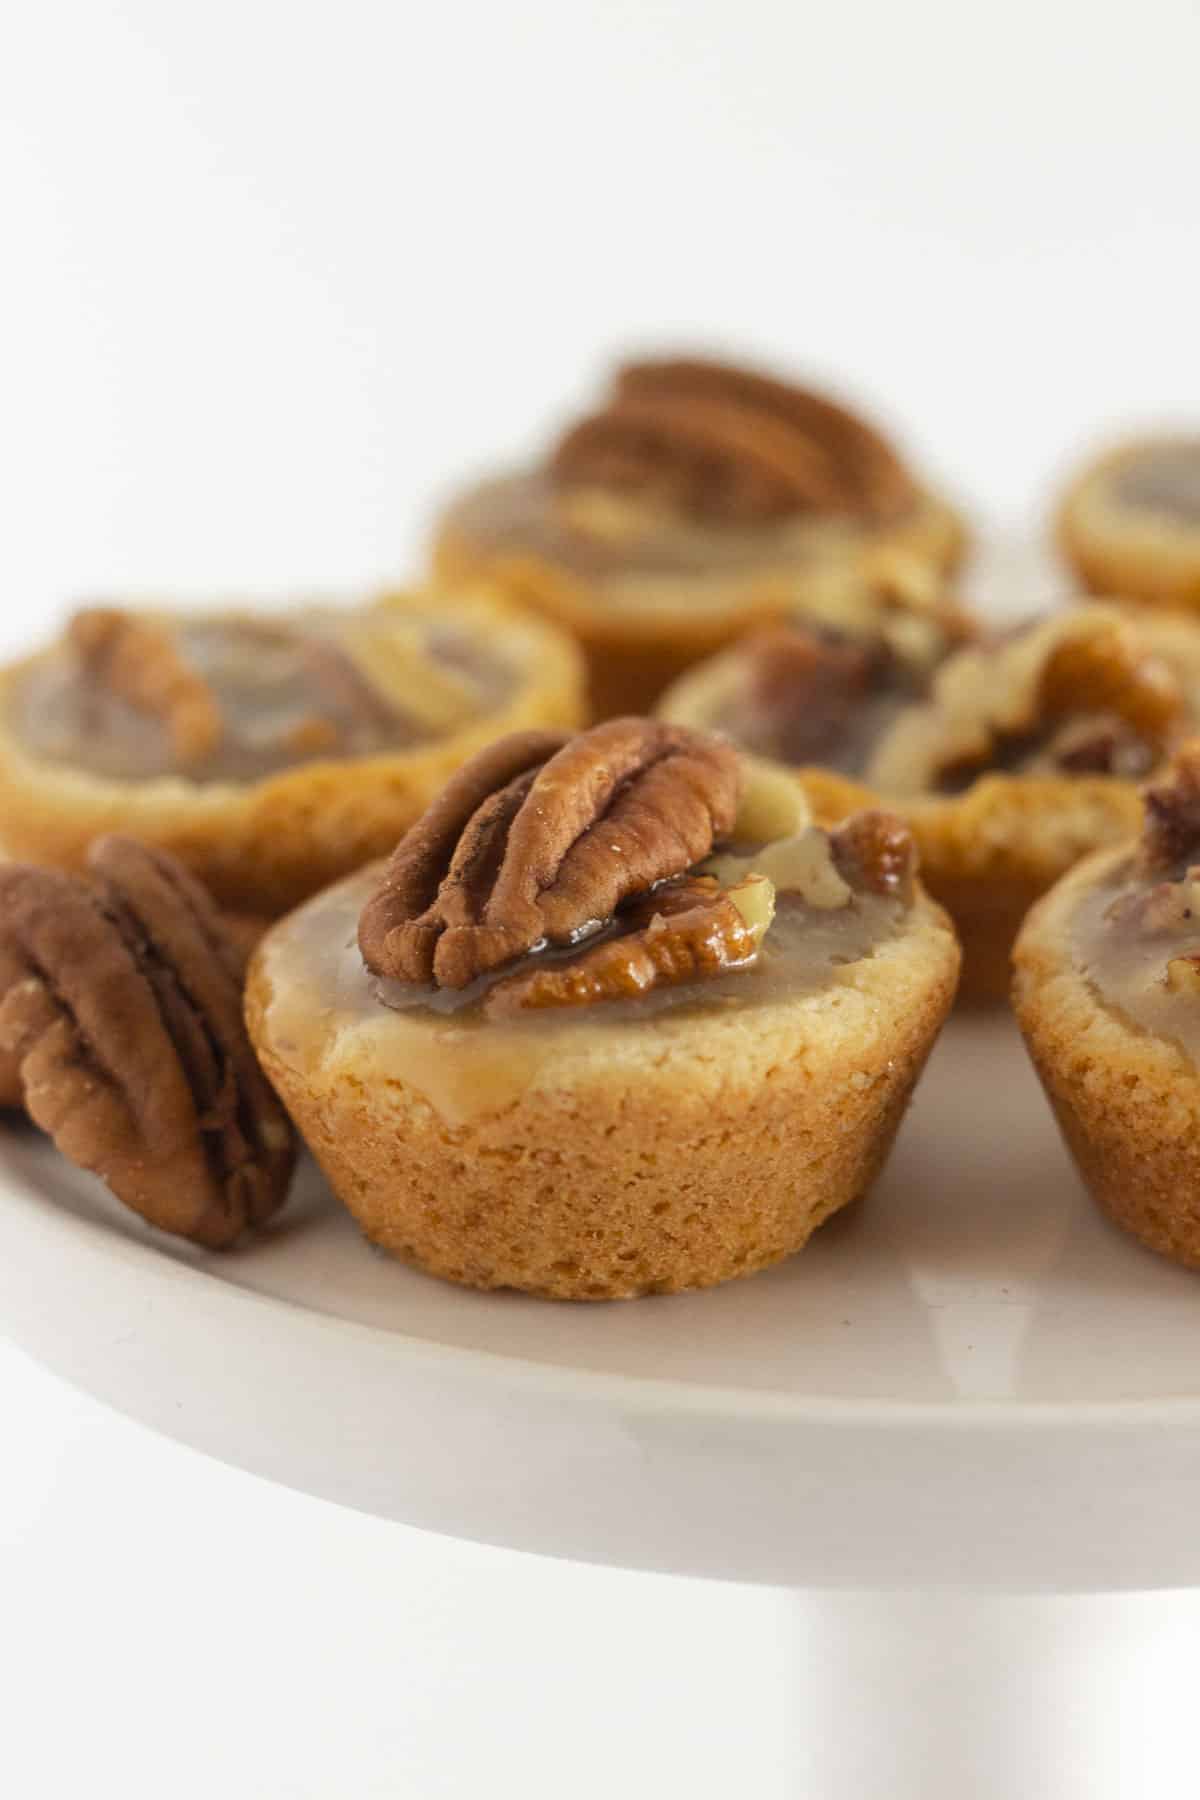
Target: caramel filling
1097, 744
283, 693
635, 548
1078, 693
1165, 480
329, 1012
804, 697
1138, 943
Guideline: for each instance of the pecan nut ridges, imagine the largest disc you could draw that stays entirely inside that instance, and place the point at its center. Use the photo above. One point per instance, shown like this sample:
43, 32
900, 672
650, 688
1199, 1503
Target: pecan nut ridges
539, 839
122, 1010
691, 932
728, 444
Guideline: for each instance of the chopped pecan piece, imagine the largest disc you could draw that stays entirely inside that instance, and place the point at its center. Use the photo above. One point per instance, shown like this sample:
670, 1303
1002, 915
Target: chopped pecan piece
733, 446
122, 1013
1171, 834
875, 850
690, 931
804, 690
140, 662
539, 839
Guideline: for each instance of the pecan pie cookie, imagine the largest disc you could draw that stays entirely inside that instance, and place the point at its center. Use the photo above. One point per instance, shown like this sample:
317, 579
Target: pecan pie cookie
270, 752
823, 685
617, 1018
1129, 523
121, 1032
697, 500
1025, 757
1108, 996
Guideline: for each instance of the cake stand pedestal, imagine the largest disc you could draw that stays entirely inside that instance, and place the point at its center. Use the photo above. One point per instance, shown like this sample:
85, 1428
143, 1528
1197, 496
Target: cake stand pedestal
969, 1385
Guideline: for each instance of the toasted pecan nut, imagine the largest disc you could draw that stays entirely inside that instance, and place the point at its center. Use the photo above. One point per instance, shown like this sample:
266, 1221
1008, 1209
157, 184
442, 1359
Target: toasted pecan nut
875, 850
706, 457
1111, 673
540, 839
804, 689
729, 445
140, 662
798, 668
1171, 835
687, 932
122, 1011
872, 478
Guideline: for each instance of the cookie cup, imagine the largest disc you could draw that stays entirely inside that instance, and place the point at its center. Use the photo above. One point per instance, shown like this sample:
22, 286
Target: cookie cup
602, 1156
262, 846
640, 631
1127, 1101
990, 853
1134, 551
987, 854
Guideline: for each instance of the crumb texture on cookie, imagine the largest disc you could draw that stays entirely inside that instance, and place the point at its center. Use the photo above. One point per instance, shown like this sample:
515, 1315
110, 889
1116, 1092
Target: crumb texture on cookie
1108, 996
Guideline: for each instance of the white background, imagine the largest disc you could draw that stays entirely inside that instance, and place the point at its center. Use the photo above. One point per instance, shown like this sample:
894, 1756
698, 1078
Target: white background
271, 277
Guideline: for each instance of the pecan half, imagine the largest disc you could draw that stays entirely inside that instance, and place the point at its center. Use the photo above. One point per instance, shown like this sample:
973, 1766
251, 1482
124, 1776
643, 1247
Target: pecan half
805, 689
139, 661
1171, 834
122, 1012
730, 445
539, 839
691, 931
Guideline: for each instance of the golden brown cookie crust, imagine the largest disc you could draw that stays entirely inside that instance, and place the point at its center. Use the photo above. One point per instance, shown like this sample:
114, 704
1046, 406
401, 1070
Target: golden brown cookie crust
767, 1126
1128, 1102
633, 653
262, 846
1115, 549
987, 855
617, 1154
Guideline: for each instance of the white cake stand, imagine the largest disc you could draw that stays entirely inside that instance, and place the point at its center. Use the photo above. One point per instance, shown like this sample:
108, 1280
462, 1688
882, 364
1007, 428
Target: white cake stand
969, 1381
